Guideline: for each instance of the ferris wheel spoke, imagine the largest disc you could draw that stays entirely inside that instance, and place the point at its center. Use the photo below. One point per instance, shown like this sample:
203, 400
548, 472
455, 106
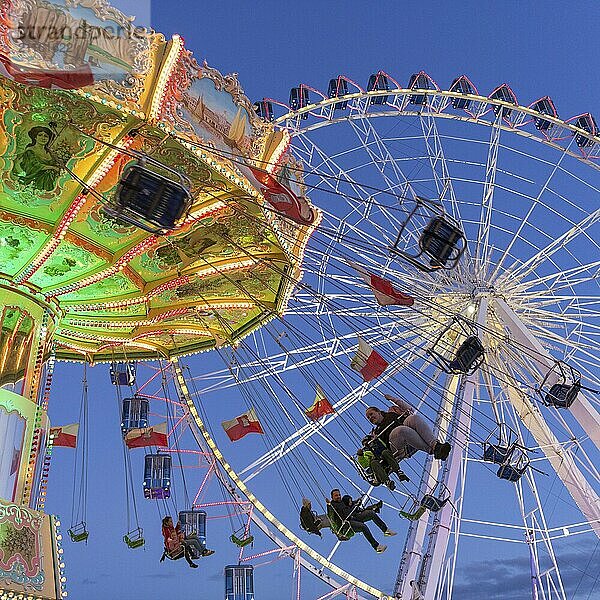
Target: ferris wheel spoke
525, 221
556, 245
558, 281
487, 200
560, 458
309, 429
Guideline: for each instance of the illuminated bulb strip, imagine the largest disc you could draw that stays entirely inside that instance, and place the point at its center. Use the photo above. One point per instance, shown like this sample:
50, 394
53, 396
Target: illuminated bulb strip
169, 285
82, 335
145, 322
111, 103
279, 152
165, 75
206, 211
70, 216
118, 266
256, 502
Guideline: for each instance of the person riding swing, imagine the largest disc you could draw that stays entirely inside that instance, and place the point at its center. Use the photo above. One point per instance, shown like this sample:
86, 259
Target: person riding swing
347, 517
178, 545
403, 431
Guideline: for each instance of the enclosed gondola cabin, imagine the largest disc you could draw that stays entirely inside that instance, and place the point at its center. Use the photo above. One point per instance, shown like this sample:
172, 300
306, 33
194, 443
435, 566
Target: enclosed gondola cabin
462, 85
193, 522
157, 476
299, 99
377, 82
122, 373
134, 413
587, 123
338, 87
544, 106
239, 582
418, 81
264, 109
505, 94
151, 196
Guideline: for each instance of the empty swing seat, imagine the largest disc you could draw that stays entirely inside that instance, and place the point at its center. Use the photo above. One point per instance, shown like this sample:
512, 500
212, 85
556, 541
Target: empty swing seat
150, 200
440, 240
78, 533
515, 465
510, 473
562, 395
239, 582
134, 539
243, 541
432, 503
495, 454
469, 356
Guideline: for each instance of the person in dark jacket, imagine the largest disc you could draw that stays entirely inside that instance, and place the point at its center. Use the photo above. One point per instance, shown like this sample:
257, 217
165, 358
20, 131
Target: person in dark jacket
310, 521
350, 515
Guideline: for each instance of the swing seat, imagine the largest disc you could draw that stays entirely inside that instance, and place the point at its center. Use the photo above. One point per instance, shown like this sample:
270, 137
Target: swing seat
134, 539
510, 473
440, 240
562, 395
173, 554
432, 503
78, 533
469, 356
241, 542
150, 200
496, 454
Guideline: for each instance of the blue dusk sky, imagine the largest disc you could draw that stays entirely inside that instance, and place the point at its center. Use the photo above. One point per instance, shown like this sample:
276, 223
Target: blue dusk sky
538, 48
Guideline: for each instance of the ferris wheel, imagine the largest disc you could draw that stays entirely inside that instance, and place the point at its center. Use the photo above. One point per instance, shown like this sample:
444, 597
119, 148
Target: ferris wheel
484, 213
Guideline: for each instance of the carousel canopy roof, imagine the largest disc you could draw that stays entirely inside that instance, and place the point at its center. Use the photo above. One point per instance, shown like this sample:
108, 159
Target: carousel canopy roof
76, 109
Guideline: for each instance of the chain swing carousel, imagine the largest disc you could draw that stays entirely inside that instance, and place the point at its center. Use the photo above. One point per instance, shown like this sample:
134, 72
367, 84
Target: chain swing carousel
119, 217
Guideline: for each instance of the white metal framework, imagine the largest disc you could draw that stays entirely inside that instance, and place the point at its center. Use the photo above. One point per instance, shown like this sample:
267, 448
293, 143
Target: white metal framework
526, 199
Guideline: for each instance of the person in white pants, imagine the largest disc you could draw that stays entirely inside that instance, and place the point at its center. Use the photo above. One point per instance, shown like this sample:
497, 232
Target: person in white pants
404, 431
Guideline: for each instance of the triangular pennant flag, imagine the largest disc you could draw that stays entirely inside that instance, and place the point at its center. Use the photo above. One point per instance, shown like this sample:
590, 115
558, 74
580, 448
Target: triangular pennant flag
368, 362
246, 423
320, 407
385, 293
281, 198
65, 436
143, 437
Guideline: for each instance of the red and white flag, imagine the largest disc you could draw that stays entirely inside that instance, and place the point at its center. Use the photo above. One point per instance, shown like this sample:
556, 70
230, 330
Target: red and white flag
246, 423
281, 198
320, 407
143, 437
65, 436
385, 293
368, 362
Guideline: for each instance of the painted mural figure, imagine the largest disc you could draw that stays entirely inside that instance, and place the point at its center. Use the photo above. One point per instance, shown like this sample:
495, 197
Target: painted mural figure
37, 165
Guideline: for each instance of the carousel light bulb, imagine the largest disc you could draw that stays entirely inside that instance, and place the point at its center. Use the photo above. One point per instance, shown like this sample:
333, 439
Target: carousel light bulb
471, 309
